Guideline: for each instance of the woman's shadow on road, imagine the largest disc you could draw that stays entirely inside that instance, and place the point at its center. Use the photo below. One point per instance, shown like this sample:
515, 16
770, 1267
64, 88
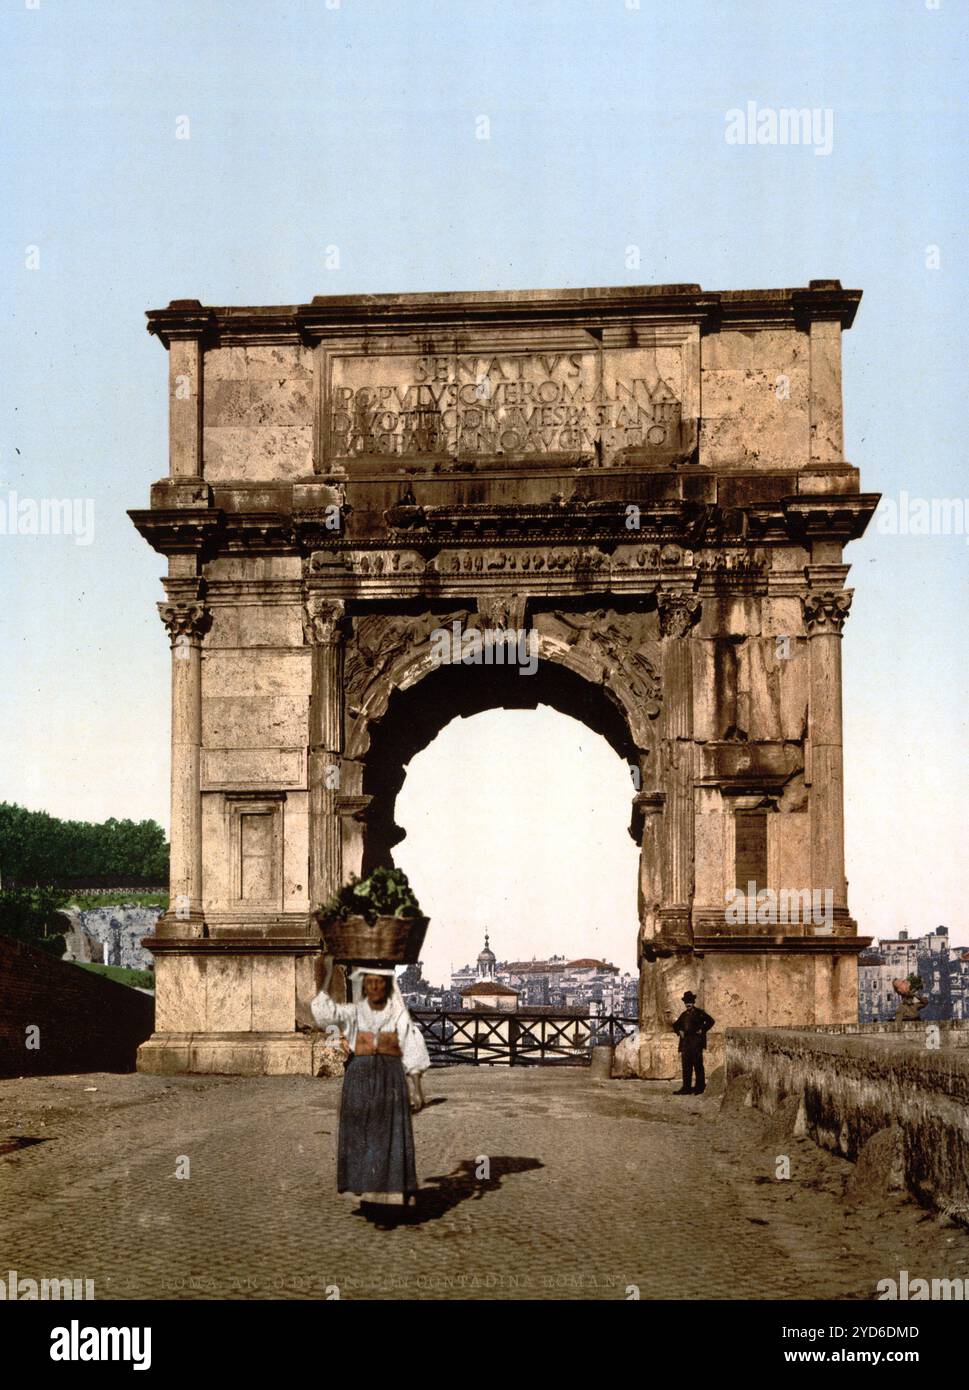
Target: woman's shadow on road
468, 1182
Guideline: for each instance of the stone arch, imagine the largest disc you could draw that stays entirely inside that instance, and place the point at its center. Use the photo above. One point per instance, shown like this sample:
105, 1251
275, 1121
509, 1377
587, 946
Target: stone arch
416, 712
617, 653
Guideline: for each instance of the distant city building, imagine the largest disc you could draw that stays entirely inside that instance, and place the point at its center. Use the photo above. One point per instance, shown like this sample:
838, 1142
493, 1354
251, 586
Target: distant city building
489, 994
944, 972
585, 986
959, 984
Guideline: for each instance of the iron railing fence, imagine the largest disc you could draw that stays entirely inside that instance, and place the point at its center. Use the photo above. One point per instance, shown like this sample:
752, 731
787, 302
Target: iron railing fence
481, 1037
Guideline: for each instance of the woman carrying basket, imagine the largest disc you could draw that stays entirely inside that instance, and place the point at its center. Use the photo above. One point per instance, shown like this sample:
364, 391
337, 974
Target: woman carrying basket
375, 1149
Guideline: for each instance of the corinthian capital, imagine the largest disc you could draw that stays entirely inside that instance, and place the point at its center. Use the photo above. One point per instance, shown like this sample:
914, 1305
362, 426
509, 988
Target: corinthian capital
825, 610
186, 621
678, 612
322, 619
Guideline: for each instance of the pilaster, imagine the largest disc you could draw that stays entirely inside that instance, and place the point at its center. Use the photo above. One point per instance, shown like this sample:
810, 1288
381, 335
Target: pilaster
825, 611
678, 611
324, 622
187, 619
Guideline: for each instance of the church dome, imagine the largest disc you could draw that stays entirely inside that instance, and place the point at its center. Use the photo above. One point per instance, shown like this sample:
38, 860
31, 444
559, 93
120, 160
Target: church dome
486, 961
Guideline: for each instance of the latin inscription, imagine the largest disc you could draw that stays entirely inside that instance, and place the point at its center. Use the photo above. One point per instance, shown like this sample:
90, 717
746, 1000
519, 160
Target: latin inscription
587, 403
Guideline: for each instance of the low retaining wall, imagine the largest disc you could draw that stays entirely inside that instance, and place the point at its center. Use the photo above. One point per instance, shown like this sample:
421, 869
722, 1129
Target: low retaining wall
83, 1021
852, 1081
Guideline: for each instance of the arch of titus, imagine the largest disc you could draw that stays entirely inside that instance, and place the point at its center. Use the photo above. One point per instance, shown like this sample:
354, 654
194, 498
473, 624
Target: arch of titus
650, 478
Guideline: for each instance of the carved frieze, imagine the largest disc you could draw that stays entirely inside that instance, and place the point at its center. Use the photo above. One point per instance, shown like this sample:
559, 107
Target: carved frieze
550, 560
383, 563
378, 563
731, 560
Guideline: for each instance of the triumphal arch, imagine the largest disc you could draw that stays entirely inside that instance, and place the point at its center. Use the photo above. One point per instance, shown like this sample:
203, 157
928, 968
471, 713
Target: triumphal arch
648, 482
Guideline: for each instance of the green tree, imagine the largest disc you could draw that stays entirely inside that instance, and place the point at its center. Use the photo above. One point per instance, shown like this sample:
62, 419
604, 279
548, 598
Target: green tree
30, 915
38, 848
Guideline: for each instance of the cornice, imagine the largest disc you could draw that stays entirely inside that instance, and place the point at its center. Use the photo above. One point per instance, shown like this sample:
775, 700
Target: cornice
780, 945
242, 945
842, 517
546, 523
184, 318
595, 309
178, 530
692, 525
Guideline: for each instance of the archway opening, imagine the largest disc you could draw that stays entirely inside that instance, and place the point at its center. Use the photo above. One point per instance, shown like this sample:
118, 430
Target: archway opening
506, 800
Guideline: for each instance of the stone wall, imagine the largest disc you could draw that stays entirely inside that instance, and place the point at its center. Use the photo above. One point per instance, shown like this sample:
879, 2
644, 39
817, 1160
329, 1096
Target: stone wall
85, 1022
846, 1084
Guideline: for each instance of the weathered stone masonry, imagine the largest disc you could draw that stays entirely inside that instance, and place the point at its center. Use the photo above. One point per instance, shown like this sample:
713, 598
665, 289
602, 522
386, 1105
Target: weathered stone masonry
651, 478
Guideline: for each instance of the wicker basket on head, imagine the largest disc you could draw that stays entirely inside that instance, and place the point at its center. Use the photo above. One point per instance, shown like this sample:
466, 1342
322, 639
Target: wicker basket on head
395, 939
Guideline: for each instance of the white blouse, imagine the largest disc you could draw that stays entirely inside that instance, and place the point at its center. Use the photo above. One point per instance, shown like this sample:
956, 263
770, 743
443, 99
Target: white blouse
354, 1018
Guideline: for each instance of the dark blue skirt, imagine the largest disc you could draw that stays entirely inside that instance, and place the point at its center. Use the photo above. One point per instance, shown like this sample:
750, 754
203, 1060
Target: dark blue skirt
375, 1150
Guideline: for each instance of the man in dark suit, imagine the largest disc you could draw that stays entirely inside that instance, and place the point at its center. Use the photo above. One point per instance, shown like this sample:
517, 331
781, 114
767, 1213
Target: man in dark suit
692, 1027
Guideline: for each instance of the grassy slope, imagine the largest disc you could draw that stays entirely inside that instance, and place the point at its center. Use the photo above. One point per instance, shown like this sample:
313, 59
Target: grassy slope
137, 979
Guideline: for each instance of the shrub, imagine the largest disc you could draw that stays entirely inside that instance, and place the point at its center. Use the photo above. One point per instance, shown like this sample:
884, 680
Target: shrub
386, 893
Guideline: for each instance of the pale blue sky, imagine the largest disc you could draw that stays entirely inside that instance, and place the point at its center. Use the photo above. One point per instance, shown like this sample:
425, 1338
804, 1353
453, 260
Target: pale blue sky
355, 126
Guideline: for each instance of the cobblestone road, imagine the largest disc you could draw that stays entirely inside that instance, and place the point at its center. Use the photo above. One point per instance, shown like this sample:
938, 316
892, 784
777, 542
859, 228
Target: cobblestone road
594, 1187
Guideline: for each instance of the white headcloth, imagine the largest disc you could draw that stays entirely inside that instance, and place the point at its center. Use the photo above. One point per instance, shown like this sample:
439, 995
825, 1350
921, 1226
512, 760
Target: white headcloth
395, 999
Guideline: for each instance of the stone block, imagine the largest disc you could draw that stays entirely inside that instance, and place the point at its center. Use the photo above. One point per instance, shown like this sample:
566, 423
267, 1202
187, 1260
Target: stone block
228, 994
252, 626
179, 993
827, 426
305, 990
254, 567
705, 722
790, 988
241, 453
747, 424
735, 989
277, 672
273, 994
777, 350
262, 721
729, 615
789, 850
252, 1054
216, 867
829, 480
712, 859
296, 852
267, 769
163, 1055
646, 1056
254, 403
257, 361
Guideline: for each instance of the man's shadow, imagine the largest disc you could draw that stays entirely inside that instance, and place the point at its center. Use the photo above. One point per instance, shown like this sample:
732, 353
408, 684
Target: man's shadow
443, 1193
